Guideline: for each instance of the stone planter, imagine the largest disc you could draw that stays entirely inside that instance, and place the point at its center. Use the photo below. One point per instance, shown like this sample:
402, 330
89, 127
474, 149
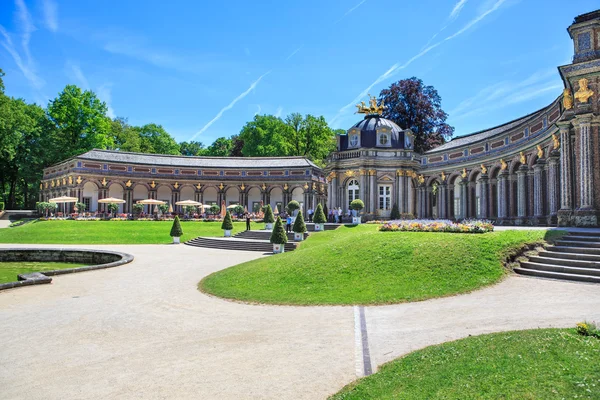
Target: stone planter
356, 220
269, 227
278, 248
227, 233
298, 236
319, 227
175, 240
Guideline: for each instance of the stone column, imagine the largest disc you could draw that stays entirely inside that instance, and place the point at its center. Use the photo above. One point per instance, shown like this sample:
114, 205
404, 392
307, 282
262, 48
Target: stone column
553, 187
464, 191
502, 192
538, 191
566, 180
373, 189
175, 199
442, 199
334, 190
362, 188
522, 194
401, 191
585, 215
128, 206
483, 196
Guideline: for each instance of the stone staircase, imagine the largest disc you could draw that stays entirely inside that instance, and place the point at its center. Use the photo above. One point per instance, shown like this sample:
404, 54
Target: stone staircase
575, 257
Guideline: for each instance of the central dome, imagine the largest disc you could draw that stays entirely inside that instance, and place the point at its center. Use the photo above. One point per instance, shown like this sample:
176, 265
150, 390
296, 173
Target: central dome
375, 131
372, 122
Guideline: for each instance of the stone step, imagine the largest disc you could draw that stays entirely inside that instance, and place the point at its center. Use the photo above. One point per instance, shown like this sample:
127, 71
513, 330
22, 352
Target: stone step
233, 244
571, 249
569, 256
582, 238
263, 235
585, 233
561, 268
558, 275
574, 243
565, 262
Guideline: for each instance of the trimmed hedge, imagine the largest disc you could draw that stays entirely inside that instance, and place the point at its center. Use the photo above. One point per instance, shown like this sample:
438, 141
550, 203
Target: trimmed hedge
269, 217
278, 236
1, 205
227, 224
299, 225
319, 217
176, 230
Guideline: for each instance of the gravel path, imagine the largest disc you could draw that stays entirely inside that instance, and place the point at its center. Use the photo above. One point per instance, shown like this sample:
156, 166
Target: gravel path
144, 331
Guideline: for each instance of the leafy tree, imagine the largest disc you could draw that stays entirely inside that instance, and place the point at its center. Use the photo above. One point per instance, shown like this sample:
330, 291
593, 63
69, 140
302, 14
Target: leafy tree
319, 217
154, 139
278, 236
311, 136
357, 204
269, 217
80, 207
191, 148
163, 208
220, 148
265, 136
413, 105
395, 212
125, 136
299, 225
238, 210
81, 121
214, 209
293, 206
227, 223
112, 207
237, 144
176, 230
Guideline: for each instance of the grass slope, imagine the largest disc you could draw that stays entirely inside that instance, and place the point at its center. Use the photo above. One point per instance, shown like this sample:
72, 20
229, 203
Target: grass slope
108, 232
10, 270
360, 265
535, 364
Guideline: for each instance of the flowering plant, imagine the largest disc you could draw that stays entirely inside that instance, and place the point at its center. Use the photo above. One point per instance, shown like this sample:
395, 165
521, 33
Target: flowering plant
415, 225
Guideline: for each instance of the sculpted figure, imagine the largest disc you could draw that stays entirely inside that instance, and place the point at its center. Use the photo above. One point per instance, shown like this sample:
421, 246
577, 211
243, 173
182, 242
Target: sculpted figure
584, 93
503, 165
556, 141
523, 159
567, 99
464, 173
483, 169
540, 153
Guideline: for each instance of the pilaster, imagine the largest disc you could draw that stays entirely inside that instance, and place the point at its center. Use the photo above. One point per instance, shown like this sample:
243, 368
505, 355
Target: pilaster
521, 194
585, 215
538, 191
566, 179
483, 196
553, 187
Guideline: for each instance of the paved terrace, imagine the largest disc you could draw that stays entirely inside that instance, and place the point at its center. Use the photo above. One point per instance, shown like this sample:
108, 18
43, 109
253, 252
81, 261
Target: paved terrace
144, 331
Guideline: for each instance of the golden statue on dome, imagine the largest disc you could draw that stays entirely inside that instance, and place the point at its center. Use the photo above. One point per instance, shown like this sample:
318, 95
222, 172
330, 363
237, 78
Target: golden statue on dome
372, 109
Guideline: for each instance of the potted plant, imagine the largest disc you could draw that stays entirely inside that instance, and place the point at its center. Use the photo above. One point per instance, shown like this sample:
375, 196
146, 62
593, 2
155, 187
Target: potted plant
292, 207
319, 218
215, 209
138, 209
278, 237
112, 207
356, 205
395, 212
227, 225
299, 227
176, 231
163, 208
269, 218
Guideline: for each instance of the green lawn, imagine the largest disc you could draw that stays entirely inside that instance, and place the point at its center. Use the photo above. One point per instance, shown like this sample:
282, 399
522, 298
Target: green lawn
535, 364
109, 232
360, 265
10, 270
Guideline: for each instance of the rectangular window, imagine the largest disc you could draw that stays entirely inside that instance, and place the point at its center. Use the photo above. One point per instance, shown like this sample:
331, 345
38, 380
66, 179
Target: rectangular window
385, 197
87, 201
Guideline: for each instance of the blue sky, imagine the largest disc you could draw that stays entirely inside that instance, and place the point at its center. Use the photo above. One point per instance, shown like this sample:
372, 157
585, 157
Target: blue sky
203, 69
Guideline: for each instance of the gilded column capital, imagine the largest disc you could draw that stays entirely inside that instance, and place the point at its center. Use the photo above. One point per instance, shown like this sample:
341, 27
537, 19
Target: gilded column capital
399, 172
363, 172
372, 172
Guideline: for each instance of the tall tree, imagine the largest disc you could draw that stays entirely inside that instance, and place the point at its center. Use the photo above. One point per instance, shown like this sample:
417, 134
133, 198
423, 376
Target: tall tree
413, 105
220, 148
155, 139
191, 148
265, 136
81, 121
237, 145
125, 136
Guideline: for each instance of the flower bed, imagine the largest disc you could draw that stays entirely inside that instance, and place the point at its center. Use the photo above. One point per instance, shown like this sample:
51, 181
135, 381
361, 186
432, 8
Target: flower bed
415, 225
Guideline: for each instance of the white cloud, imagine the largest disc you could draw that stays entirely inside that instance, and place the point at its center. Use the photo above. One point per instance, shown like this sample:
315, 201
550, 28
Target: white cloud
279, 112
230, 105
397, 67
350, 11
104, 93
50, 15
457, 9
75, 73
293, 53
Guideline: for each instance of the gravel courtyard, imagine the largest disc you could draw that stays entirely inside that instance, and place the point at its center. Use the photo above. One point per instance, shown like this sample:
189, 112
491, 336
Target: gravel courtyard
143, 330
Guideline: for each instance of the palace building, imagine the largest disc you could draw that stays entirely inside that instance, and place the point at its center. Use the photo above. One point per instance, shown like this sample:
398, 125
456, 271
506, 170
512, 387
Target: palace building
540, 169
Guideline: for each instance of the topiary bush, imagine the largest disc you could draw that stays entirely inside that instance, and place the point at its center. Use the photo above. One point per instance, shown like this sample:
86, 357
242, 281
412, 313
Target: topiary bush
319, 217
112, 207
227, 224
1, 205
395, 212
357, 205
176, 230
299, 225
80, 207
269, 217
138, 208
293, 206
214, 209
278, 236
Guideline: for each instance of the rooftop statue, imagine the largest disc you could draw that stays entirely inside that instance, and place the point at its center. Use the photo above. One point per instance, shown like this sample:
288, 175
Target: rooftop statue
372, 109
567, 99
556, 141
584, 93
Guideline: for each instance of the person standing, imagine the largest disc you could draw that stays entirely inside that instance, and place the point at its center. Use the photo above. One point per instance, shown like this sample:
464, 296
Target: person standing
334, 215
310, 214
247, 221
288, 225
340, 214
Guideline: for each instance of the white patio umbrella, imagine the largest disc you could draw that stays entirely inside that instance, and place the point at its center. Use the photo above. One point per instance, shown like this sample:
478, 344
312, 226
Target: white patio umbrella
64, 200
152, 202
188, 203
231, 206
111, 200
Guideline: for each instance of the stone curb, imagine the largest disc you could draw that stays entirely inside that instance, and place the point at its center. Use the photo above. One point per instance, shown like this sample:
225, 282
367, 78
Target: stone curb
38, 278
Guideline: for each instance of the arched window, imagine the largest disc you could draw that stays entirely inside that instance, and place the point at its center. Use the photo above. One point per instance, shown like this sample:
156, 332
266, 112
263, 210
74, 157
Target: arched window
383, 139
354, 140
353, 190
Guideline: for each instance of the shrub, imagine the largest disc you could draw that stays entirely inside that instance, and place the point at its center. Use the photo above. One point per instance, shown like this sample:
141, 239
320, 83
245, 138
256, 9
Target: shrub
588, 329
256, 207
325, 211
227, 224
176, 228
395, 212
293, 206
1, 205
269, 217
357, 205
163, 208
299, 225
214, 209
112, 207
238, 210
80, 207
319, 217
138, 208
278, 236
467, 226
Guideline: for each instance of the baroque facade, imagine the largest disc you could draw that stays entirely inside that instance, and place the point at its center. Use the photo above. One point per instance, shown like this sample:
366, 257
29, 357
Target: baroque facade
536, 170
540, 169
